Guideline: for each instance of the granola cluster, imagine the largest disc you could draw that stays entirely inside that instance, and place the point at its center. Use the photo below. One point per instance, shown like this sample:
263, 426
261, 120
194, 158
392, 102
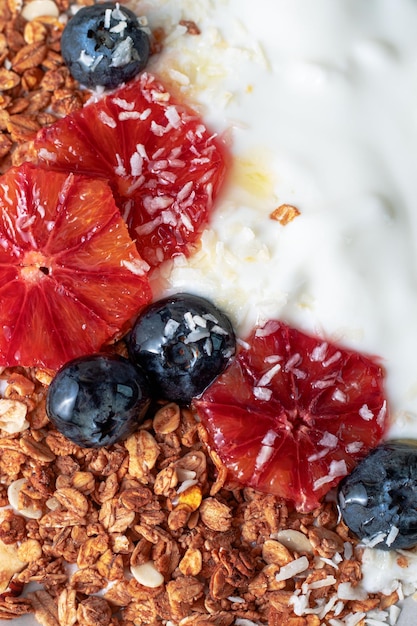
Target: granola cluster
149, 531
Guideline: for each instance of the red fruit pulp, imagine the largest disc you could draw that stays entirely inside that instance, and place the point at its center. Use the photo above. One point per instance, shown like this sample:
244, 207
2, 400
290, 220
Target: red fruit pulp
71, 278
164, 166
293, 414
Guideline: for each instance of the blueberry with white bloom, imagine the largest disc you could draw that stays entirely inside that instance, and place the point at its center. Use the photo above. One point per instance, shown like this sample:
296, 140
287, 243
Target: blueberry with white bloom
183, 343
378, 500
105, 45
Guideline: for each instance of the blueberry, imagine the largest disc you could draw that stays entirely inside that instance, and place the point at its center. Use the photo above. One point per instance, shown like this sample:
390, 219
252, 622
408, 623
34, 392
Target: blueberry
97, 400
378, 500
104, 44
183, 342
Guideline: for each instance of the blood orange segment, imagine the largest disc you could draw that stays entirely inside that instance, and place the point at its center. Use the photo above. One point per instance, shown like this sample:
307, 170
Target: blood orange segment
70, 275
164, 166
293, 413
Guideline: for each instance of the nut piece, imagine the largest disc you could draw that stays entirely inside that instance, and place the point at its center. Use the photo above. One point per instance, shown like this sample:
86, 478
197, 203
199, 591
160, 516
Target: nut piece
13, 494
10, 564
13, 416
35, 31
147, 575
294, 540
39, 8
190, 499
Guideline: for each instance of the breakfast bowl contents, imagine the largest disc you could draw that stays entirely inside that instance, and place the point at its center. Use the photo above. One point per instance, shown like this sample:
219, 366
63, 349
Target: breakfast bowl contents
208, 339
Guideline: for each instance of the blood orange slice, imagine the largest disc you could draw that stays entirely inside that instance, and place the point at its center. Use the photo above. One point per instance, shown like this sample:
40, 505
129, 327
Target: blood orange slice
70, 276
293, 414
164, 166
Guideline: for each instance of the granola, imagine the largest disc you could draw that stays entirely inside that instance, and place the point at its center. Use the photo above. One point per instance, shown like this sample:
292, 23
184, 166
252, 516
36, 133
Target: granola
140, 525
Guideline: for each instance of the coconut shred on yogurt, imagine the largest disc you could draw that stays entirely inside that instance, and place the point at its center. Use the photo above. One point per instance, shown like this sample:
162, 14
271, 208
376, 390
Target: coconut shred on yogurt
319, 100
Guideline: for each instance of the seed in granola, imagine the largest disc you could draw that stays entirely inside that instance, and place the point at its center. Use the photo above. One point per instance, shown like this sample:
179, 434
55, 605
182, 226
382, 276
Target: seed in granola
191, 563
30, 550
275, 552
35, 31
147, 575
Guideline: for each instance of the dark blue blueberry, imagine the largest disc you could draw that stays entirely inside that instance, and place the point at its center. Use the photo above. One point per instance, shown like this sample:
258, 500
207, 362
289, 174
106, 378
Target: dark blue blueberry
98, 400
183, 342
104, 44
379, 498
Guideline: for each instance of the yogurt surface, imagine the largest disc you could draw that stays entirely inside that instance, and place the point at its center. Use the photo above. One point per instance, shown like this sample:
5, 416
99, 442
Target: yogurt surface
319, 103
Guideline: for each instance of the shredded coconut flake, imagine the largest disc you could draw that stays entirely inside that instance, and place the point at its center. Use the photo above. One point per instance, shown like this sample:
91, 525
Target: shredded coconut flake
170, 328
138, 267
263, 457
346, 591
339, 396
269, 375
262, 393
292, 569
173, 116
354, 447
319, 352
333, 359
124, 104
329, 440
366, 413
128, 115
107, 18
197, 335
324, 582
337, 468
107, 119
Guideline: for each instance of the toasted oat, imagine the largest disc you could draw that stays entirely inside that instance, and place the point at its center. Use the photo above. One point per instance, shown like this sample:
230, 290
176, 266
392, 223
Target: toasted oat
284, 214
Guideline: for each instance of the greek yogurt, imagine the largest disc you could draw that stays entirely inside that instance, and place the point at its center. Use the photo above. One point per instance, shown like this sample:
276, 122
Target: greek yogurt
319, 103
